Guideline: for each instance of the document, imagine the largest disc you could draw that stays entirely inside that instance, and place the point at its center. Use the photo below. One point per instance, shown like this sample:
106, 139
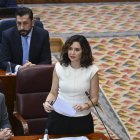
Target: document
63, 107
70, 138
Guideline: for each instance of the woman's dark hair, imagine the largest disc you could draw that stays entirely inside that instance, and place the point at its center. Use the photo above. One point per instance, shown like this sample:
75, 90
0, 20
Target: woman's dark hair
21, 11
86, 58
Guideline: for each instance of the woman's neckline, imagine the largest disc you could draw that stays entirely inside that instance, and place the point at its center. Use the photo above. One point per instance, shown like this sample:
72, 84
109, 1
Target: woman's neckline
76, 68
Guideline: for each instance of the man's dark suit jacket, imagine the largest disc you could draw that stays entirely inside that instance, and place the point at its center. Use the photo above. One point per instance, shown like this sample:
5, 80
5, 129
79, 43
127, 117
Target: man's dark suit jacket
4, 120
11, 49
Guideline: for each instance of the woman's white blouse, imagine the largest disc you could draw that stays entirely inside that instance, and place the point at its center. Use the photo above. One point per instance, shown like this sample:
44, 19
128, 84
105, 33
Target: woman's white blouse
73, 83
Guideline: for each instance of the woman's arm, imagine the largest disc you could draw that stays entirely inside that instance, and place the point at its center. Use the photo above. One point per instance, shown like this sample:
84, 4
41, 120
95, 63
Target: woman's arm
94, 90
54, 89
53, 93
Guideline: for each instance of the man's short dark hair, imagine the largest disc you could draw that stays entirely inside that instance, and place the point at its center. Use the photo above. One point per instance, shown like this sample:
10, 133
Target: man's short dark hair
21, 11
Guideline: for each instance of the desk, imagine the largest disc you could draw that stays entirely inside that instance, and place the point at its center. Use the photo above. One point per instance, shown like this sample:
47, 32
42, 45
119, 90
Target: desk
9, 84
36, 137
92, 136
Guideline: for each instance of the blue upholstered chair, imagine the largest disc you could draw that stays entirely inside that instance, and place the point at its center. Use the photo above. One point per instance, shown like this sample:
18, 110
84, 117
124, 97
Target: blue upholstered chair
8, 3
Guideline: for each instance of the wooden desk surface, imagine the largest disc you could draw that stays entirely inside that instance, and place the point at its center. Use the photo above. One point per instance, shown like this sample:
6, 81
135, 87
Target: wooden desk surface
92, 136
2, 72
36, 137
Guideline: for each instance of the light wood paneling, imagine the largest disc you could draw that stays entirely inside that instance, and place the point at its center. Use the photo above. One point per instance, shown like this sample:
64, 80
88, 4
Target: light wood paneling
56, 45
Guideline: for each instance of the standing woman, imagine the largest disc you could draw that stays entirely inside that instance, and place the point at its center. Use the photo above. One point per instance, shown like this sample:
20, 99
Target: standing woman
72, 77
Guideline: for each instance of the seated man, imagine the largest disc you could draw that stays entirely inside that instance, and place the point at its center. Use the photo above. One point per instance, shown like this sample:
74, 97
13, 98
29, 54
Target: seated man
5, 127
25, 44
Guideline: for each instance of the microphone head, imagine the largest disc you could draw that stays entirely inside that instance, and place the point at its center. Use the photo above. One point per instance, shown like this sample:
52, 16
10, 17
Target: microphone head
87, 93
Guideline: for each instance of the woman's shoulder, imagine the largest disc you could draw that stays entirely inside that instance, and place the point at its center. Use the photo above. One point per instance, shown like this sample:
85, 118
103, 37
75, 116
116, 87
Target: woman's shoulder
93, 69
93, 66
58, 65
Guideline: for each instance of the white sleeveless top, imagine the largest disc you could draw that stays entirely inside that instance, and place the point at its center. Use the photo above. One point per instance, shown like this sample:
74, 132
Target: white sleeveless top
73, 83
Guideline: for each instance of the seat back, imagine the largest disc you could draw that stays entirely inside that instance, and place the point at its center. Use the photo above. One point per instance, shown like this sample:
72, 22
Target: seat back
7, 12
11, 22
33, 86
8, 3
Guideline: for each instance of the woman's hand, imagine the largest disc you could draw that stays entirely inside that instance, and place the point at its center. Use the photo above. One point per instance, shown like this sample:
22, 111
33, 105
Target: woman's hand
81, 107
5, 134
47, 106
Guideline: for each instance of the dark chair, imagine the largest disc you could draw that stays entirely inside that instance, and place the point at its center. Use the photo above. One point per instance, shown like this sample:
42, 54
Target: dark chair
8, 3
10, 22
33, 86
7, 12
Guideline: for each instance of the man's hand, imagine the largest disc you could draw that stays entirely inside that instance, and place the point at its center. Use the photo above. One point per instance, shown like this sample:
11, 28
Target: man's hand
5, 134
27, 64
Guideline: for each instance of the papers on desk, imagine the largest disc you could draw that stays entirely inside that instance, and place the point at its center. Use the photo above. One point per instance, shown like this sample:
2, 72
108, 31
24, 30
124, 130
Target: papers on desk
10, 73
70, 138
63, 107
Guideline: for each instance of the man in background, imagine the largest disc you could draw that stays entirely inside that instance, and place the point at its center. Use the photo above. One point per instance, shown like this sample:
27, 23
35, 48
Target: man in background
24, 45
5, 127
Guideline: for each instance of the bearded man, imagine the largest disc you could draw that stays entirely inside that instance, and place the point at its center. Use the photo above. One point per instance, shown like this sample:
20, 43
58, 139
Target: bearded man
25, 44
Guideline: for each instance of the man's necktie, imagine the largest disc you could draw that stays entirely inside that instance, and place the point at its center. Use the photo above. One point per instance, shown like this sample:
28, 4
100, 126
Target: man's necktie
25, 49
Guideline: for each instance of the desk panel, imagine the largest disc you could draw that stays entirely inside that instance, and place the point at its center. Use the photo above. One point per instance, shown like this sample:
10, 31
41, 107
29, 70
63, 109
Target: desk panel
36, 137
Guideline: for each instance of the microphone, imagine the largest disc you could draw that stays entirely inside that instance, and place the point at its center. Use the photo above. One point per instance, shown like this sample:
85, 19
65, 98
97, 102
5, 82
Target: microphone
87, 94
8, 68
46, 136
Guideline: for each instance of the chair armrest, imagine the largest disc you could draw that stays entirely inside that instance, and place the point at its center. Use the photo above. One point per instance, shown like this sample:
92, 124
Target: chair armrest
21, 120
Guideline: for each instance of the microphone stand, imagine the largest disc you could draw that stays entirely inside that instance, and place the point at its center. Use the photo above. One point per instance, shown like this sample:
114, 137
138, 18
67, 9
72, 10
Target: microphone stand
98, 114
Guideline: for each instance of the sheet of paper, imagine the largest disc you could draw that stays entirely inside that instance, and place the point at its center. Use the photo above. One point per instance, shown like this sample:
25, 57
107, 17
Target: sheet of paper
70, 138
63, 107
